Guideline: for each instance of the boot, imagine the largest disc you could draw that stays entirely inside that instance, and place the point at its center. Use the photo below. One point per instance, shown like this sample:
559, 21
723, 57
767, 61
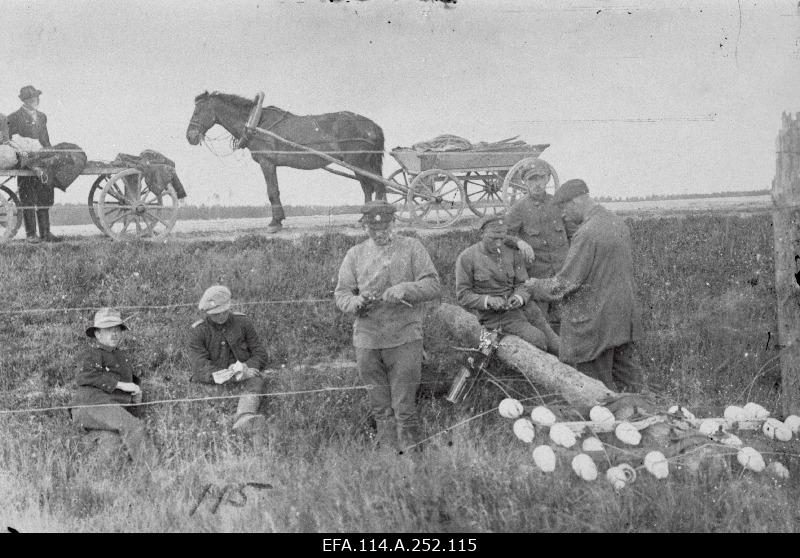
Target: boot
410, 438
247, 417
538, 320
29, 220
387, 434
43, 217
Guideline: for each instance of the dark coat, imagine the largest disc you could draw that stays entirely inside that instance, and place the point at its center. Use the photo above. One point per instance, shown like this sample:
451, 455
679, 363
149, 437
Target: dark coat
100, 369
599, 309
22, 123
4, 136
214, 347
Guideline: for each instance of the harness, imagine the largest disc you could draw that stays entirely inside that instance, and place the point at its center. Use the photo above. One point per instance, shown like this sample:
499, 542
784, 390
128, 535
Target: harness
252, 122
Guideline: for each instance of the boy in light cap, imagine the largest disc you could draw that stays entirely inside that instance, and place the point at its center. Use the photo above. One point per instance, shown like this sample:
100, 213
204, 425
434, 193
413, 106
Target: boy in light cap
226, 354
105, 377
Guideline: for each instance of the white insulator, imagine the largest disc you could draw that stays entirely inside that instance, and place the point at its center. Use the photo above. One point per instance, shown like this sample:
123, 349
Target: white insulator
562, 435
783, 433
523, 428
750, 459
754, 411
545, 458
686, 413
601, 415
627, 433
708, 427
793, 422
778, 469
616, 477
656, 464
584, 467
510, 408
543, 416
592, 443
630, 472
732, 440
734, 413
768, 428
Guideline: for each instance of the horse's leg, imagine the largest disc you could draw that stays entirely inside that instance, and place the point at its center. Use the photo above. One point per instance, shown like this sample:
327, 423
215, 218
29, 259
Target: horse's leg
274, 195
366, 185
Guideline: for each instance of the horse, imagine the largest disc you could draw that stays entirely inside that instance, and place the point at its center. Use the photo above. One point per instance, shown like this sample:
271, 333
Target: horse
346, 136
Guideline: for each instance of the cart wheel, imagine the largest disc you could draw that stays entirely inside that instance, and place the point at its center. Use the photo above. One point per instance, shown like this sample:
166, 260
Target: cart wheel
397, 197
128, 209
435, 198
94, 201
482, 190
10, 215
513, 185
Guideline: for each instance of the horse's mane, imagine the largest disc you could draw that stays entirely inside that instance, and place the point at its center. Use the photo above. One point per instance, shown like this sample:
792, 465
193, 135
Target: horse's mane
236, 100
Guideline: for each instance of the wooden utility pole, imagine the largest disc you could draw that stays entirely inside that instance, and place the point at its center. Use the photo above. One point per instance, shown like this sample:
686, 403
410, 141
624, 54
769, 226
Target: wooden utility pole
786, 228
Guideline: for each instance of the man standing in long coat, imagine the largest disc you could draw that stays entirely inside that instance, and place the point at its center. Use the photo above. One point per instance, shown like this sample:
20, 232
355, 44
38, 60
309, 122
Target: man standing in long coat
600, 319
29, 122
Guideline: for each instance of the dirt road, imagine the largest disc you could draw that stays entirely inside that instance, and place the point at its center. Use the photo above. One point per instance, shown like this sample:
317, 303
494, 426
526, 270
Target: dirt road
296, 227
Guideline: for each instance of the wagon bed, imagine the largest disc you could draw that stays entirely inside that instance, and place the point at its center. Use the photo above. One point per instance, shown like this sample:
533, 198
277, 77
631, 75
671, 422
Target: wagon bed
120, 203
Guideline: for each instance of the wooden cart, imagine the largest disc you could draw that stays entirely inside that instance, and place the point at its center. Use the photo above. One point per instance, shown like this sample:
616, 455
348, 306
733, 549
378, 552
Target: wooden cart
434, 188
121, 204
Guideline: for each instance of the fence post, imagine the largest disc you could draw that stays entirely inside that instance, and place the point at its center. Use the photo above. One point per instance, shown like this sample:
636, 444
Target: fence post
786, 230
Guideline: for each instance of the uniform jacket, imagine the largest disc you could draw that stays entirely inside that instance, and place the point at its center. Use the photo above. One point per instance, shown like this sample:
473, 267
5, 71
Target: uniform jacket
369, 269
214, 347
599, 310
538, 222
22, 123
100, 369
481, 274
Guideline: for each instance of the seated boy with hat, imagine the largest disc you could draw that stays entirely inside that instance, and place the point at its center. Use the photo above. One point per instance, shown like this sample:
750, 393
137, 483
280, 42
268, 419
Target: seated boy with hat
106, 377
226, 353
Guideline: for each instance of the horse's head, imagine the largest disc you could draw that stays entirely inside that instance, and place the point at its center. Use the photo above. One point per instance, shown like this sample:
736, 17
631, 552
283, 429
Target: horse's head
202, 119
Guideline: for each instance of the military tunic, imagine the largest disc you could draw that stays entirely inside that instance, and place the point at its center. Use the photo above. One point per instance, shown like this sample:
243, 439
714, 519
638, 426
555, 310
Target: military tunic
214, 347
538, 222
599, 309
100, 369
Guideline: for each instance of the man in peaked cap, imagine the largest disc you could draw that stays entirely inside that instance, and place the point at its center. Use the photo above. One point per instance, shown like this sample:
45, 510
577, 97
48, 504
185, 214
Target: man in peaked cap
536, 224
226, 354
600, 319
106, 377
490, 281
384, 281
34, 194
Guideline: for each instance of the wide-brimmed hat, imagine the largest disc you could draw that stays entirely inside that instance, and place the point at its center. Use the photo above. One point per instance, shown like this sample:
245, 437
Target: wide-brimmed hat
215, 300
28, 92
105, 317
377, 212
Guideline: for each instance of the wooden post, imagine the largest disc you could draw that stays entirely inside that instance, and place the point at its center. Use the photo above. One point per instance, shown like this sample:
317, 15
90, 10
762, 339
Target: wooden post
577, 389
786, 228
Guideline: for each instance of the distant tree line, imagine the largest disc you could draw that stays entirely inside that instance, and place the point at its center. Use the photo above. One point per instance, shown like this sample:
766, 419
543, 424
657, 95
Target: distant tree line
690, 196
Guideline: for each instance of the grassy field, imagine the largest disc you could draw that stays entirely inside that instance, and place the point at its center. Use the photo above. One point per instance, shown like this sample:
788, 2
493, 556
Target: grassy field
706, 284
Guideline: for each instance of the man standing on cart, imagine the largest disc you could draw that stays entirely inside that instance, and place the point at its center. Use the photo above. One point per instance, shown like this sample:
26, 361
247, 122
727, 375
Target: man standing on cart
36, 197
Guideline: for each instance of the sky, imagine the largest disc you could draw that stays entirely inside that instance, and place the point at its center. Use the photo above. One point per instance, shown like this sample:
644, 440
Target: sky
636, 98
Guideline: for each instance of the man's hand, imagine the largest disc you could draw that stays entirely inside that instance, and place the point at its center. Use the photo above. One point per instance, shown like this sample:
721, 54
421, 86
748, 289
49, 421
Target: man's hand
222, 376
245, 374
394, 295
130, 387
527, 250
516, 301
496, 303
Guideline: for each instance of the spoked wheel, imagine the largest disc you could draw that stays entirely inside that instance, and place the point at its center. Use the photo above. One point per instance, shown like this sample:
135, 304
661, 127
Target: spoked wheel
435, 198
128, 209
513, 185
10, 214
94, 201
399, 196
483, 190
